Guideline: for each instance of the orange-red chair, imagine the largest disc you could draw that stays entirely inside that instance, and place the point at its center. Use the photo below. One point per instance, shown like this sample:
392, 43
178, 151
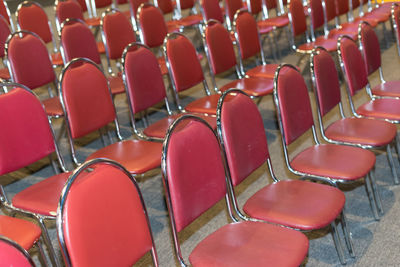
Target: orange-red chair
194, 181
12, 254
88, 235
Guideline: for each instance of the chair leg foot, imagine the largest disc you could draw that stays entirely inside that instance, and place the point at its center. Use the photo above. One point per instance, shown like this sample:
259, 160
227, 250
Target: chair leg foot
347, 235
337, 243
41, 252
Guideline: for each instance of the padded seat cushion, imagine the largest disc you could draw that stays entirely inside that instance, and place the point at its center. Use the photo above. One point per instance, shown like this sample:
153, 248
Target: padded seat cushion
336, 33
389, 88
251, 244
263, 71
4, 74
23, 232
383, 108
190, 20
296, 204
53, 107
264, 29
56, 59
329, 44
93, 22
252, 86
373, 22
334, 161
137, 156
101, 48
278, 22
116, 84
362, 131
206, 104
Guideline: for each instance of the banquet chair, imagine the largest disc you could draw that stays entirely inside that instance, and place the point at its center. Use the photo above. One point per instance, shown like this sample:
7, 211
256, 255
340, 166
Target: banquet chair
210, 9
145, 88
117, 33
370, 49
328, 162
5, 12
5, 31
31, 16
29, 64
76, 40
90, 237
353, 131
82, 82
291, 203
27, 139
395, 11
194, 181
12, 254
221, 58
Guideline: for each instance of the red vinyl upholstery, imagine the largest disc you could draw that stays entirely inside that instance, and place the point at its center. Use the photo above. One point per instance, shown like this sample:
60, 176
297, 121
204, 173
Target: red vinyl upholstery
134, 5
246, 28
4, 32
32, 17
68, 9
4, 12
12, 255
166, 6
231, 6
94, 236
317, 13
371, 49
118, 33
211, 10
299, 25
103, 3
152, 25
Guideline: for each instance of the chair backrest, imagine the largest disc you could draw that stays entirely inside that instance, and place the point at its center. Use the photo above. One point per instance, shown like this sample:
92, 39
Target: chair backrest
65, 9
353, 65
5, 12
219, 47
247, 35
254, 6
184, 66
135, 4
32, 17
231, 7
152, 26
292, 102
82, 3
317, 14
396, 24
4, 33
330, 9
26, 135
185, 4
90, 236
297, 17
144, 82
166, 6
370, 48
77, 40
12, 254
193, 170
86, 97
28, 60
342, 7
117, 32
325, 80
272, 4
211, 10
242, 135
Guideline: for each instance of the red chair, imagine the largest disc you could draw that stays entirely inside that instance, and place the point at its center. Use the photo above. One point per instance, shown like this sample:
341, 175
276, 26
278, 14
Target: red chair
194, 181
210, 9
370, 49
353, 131
117, 33
4, 33
81, 82
90, 237
191, 19
145, 88
5, 12
29, 64
27, 138
396, 22
12, 254
168, 7
329, 162
65, 9
221, 58
286, 202
185, 72
76, 40
31, 17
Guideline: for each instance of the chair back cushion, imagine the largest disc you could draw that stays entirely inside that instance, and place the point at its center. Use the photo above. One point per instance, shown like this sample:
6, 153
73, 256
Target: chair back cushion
4, 32
342, 7
370, 48
317, 14
143, 79
244, 137
220, 48
152, 26
330, 8
134, 4
68, 9
103, 3
31, 17
231, 6
166, 6
26, 135
211, 10
86, 98
248, 38
294, 104
296, 12
195, 172
30, 61
4, 12
186, 4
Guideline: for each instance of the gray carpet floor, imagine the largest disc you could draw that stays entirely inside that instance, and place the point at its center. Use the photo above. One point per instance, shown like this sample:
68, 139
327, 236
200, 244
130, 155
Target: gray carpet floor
377, 243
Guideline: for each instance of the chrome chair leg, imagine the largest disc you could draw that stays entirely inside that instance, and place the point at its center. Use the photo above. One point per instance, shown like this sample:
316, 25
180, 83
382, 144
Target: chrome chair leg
376, 193
347, 234
41, 252
337, 243
371, 197
391, 164
47, 241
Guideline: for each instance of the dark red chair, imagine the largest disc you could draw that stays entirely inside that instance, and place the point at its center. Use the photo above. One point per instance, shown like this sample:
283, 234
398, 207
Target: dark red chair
91, 237
4, 33
396, 23
329, 162
194, 180
145, 88
32, 17
12, 254
221, 57
5, 12
286, 202
211, 9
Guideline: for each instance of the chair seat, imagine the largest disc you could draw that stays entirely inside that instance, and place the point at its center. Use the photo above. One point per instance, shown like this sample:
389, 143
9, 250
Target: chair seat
159, 128
205, 105
163, 65
101, 48
252, 86
251, 244
173, 26
93, 22
296, 204
53, 107
383, 108
349, 26
278, 22
43, 196
263, 28
56, 59
371, 21
116, 84
262, 71
329, 44
137, 156
389, 88
379, 16
4, 74
334, 161
190, 20
336, 33
362, 131
23, 232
